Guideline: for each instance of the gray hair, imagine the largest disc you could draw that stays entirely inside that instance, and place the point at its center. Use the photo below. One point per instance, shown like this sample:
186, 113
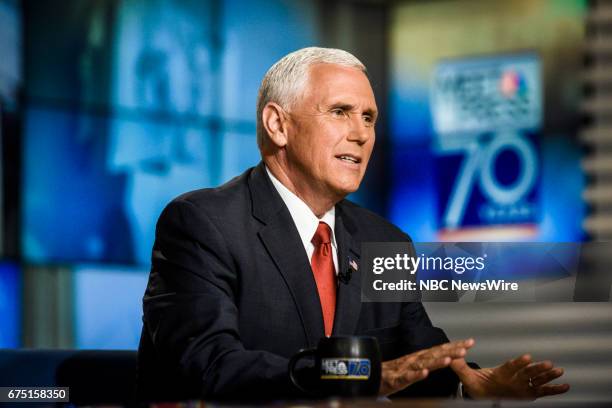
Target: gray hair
286, 79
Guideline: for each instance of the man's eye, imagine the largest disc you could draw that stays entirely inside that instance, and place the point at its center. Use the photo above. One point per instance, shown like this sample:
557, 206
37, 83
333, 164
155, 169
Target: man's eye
368, 119
337, 112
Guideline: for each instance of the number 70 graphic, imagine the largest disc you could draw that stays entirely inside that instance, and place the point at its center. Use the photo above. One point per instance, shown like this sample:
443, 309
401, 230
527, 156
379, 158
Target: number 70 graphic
480, 165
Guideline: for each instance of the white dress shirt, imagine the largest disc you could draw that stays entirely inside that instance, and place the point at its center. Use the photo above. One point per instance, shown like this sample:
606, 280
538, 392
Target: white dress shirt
305, 220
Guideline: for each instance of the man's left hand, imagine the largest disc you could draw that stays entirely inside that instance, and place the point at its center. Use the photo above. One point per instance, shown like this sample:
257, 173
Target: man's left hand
516, 379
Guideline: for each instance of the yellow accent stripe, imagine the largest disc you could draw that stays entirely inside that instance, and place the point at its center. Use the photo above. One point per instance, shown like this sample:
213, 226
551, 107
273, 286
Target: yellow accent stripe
344, 377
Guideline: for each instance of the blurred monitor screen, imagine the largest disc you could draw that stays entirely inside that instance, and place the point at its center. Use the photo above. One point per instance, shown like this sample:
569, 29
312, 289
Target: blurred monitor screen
10, 44
10, 305
103, 321
138, 102
484, 127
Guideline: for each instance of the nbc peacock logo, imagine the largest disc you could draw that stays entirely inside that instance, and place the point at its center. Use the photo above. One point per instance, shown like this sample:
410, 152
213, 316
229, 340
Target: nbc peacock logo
512, 84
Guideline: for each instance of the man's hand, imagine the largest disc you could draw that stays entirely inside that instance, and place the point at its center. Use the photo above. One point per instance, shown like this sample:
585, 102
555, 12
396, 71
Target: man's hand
516, 379
400, 373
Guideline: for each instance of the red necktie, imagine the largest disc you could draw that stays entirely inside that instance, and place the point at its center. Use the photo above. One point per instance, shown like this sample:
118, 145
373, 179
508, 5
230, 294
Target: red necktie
325, 275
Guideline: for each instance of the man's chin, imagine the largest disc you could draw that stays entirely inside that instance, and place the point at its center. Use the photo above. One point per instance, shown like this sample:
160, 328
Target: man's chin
346, 189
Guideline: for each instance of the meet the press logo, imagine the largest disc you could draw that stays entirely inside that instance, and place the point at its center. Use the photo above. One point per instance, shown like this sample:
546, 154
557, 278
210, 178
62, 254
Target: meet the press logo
345, 369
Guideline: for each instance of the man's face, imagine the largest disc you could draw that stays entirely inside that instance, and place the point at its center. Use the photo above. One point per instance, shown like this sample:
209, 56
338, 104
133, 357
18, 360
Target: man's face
331, 131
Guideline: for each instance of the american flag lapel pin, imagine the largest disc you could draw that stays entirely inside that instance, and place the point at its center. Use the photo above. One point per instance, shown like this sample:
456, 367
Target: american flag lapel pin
345, 276
353, 265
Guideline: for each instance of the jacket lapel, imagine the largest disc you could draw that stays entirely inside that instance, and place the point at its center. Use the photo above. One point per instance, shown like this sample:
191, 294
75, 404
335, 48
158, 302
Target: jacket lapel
282, 241
348, 301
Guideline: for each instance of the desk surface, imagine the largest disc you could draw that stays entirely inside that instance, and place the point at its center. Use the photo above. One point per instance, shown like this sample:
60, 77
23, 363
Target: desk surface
400, 403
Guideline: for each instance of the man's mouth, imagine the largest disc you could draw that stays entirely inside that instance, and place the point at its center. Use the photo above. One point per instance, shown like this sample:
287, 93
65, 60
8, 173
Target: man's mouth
349, 158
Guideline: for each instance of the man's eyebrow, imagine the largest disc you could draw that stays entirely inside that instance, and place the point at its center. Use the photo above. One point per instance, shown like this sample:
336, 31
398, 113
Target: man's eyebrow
349, 107
371, 112
342, 105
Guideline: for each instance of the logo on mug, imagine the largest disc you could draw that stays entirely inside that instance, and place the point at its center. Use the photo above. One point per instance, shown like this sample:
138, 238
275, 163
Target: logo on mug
345, 368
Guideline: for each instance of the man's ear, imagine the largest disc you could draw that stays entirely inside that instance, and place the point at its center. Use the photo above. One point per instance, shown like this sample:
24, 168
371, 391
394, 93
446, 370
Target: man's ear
274, 119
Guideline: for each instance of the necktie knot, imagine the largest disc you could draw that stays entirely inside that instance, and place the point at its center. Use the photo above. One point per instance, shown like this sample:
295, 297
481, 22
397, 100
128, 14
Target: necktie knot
322, 235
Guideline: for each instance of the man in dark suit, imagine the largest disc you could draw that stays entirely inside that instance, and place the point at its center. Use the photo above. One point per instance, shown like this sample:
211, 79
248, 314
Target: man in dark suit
246, 274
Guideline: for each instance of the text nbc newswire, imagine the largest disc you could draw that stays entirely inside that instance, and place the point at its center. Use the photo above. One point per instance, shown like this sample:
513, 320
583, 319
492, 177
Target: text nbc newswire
458, 265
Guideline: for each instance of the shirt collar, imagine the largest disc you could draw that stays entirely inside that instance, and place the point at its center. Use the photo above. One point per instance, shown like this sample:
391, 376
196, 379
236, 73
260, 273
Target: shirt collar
303, 217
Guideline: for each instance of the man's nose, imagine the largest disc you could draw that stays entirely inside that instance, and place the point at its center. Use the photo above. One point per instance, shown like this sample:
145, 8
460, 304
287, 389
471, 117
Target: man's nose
360, 130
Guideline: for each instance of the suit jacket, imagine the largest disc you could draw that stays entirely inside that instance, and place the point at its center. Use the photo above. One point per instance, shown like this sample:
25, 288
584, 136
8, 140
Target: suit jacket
231, 297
